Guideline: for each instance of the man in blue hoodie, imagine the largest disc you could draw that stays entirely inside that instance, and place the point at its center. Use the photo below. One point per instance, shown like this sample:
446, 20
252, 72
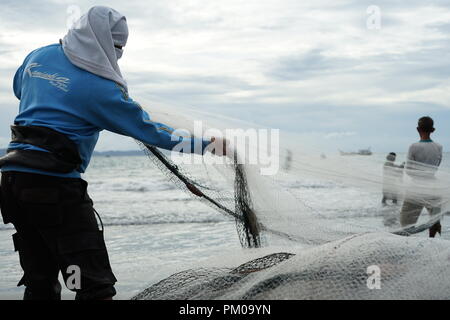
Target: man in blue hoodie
68, 93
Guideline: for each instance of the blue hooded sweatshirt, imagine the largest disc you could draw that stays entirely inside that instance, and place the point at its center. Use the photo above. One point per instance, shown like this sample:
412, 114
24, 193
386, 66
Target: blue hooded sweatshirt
55, 93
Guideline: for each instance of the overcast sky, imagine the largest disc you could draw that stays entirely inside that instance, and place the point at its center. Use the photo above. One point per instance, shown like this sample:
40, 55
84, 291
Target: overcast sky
316, 69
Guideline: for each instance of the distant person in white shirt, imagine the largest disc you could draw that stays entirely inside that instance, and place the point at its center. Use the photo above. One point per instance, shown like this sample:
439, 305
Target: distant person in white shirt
423, 159
392, 176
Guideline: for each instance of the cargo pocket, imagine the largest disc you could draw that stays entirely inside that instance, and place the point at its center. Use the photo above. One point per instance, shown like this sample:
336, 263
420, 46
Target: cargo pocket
87, 251
81, 242
42, 206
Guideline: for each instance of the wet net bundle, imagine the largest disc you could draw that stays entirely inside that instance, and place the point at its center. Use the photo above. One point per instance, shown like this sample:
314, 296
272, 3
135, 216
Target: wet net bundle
366, 266
321, 209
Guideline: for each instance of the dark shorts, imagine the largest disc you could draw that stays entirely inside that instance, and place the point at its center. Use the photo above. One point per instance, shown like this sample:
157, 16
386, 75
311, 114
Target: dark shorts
57, 231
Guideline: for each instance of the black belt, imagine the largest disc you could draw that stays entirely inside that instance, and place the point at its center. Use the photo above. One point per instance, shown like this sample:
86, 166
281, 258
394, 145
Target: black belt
63, 155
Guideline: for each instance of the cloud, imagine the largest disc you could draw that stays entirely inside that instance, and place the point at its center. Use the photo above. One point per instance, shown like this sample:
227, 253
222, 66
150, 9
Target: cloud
301, 66
309, 64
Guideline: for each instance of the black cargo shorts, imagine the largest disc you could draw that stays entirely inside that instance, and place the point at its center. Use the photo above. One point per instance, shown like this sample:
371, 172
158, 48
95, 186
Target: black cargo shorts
57, 231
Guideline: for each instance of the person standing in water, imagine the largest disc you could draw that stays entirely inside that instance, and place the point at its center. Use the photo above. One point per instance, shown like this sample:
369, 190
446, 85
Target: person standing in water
424, 157
68, 93
392, 175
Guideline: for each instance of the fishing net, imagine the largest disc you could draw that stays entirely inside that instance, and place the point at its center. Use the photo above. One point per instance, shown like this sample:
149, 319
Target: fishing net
283, 191
235, 205
207, 283
367, 266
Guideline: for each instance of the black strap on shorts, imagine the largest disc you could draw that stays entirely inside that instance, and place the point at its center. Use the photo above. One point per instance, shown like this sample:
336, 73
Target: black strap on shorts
63, 155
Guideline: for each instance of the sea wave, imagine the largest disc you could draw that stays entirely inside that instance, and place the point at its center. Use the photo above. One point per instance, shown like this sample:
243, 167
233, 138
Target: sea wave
118, 222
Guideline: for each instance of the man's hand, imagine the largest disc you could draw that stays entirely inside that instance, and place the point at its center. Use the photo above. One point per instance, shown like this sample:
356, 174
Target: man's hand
436, 228
194, 189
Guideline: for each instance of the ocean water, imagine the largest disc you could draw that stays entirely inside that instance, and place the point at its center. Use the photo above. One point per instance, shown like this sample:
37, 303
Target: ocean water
153, 229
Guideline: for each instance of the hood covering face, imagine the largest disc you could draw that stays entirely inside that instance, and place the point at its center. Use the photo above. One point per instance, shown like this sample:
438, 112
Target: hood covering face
90, 43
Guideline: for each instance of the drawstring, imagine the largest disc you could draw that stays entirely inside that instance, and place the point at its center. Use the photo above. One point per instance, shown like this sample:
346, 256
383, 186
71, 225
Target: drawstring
100, 219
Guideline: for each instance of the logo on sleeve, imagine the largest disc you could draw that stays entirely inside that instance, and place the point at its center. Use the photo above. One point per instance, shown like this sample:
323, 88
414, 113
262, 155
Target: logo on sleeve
55, 79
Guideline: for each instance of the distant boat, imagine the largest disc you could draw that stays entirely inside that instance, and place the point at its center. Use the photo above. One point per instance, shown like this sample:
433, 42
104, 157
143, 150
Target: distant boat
361, 152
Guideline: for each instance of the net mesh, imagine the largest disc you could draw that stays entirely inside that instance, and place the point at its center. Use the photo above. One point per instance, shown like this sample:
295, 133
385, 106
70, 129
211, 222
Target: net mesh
237, 206
211, 283
409, 268
323, 209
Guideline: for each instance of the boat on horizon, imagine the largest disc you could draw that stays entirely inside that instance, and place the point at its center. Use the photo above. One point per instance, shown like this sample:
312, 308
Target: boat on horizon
361, 152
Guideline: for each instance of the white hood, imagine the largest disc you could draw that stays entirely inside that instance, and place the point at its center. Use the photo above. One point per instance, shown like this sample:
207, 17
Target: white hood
89, 44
